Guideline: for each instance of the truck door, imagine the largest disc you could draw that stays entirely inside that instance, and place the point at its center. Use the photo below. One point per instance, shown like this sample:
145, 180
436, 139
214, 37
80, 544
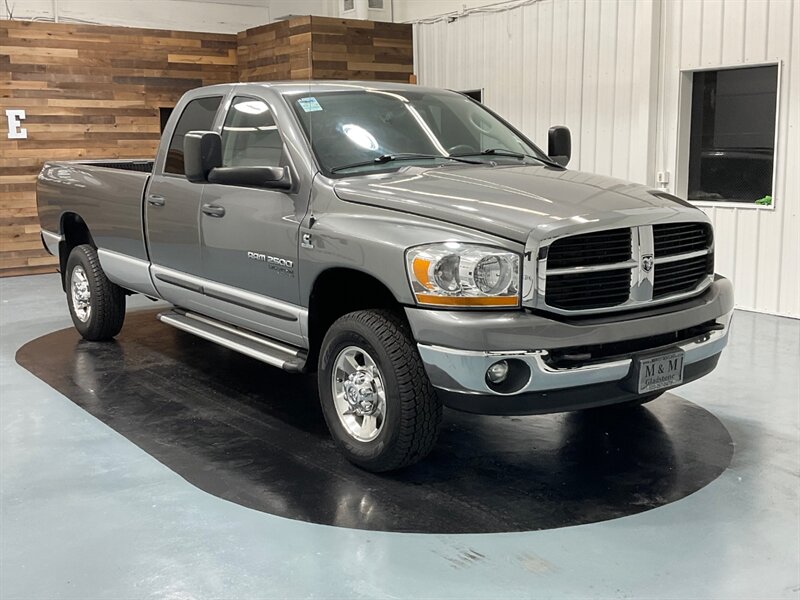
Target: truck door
172, 208
249, 235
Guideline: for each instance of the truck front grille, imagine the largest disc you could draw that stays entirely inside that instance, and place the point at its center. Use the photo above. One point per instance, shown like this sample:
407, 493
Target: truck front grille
587, 249
625, 268
580, 291
681, 275
680, 238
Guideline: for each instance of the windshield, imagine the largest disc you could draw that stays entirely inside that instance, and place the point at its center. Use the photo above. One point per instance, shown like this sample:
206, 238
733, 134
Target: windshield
378, 127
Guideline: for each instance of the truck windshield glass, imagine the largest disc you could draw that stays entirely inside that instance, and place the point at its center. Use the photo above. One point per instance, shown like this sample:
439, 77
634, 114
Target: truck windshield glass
350, 130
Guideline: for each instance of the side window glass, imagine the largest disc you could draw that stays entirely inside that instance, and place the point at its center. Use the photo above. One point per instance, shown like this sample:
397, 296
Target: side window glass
250, 136
198, 115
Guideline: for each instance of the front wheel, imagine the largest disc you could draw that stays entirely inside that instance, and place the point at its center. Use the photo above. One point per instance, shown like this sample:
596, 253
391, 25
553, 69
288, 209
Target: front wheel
96, 305
380, 407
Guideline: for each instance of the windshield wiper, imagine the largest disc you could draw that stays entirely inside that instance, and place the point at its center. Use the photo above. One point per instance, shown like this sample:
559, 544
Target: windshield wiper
385, 158
498, 152
510, 154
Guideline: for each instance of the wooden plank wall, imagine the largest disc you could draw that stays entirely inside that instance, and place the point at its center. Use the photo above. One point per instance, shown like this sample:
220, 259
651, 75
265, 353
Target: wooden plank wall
371, 50
95, 92
274, 52
340, 49
89, 92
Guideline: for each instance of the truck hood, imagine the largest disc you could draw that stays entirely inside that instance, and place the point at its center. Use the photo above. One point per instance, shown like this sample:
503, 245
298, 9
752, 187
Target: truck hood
514, 201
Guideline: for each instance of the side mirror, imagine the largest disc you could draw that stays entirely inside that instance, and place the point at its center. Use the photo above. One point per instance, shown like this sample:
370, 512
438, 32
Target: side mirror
276, 178
559, 144
202, 152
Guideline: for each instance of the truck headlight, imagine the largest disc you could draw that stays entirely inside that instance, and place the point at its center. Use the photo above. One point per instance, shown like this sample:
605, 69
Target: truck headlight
469, 275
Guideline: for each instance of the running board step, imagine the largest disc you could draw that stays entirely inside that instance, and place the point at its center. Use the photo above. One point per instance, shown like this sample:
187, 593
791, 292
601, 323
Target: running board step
272, 352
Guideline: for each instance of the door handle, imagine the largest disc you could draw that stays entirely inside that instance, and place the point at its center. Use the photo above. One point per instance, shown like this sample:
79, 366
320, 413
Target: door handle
213, 211
156, 200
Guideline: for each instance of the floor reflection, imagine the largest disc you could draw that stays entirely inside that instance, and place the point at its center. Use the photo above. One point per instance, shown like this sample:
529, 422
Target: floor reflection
255, 436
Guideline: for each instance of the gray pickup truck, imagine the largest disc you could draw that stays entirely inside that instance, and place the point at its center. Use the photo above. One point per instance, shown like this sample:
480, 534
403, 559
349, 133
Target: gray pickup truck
407, 244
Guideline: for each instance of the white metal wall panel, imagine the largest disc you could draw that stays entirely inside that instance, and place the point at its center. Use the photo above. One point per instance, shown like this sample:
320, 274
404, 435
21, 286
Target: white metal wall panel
556, 62
758, 248
611, 71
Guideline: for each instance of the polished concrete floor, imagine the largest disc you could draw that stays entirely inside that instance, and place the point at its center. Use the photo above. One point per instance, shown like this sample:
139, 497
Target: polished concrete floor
86, 512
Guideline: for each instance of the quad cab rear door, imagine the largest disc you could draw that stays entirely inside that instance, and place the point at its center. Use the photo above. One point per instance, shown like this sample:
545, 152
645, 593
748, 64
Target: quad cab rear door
172, 208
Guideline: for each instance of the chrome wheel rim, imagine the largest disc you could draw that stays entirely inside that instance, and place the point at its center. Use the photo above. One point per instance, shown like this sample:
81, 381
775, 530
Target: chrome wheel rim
81, 296
358, 394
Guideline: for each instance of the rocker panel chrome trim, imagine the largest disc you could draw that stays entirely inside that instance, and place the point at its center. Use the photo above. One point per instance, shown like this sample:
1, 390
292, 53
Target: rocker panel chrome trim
245, 299
51, 242
130, 273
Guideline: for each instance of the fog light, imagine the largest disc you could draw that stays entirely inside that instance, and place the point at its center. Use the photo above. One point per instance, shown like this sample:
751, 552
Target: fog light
498, 372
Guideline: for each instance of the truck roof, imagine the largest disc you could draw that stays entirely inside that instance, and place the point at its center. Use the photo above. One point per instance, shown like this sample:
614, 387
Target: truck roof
319, 85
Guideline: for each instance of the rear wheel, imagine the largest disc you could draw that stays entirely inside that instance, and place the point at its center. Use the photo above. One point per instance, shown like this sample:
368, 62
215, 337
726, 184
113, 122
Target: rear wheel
96, 305
380, 407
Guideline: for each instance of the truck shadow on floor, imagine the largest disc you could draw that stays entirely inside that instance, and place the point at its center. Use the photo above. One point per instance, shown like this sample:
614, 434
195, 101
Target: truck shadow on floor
254, 435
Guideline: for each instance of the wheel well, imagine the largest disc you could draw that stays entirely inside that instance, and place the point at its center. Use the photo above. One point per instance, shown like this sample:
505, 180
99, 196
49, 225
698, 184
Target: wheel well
75, 232
337, 292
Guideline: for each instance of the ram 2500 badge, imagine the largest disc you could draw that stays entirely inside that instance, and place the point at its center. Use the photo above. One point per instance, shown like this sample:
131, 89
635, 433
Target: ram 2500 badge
407, 244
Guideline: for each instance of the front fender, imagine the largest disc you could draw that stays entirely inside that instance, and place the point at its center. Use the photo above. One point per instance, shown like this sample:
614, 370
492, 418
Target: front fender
374, 241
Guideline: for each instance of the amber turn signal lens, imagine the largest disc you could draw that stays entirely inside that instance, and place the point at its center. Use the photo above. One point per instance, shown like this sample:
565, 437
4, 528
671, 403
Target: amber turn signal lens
421, 269
433, 300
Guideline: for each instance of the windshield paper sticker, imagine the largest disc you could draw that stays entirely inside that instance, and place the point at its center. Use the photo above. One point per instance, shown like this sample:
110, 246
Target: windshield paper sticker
309, 104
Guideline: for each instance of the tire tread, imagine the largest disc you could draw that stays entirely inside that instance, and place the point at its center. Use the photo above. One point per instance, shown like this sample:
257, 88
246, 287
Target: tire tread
108, 299
420, 408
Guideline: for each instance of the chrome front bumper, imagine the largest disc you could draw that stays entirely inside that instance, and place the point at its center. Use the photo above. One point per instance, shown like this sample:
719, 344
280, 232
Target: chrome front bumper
464, 371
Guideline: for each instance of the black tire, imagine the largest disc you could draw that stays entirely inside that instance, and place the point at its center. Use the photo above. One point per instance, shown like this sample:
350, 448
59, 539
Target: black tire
106, 301
413, 412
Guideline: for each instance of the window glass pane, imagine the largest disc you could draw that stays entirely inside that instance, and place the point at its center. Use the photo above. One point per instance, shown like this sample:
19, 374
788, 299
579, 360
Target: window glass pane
349, 127
250, 137
474, 94
197, 116
732, 141
164, 114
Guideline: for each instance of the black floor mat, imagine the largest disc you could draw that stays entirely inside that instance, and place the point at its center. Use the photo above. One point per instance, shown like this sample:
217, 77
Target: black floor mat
255, 435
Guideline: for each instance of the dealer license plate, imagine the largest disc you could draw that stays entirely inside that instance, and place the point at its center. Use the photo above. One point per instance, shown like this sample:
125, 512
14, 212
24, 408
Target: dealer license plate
660, 372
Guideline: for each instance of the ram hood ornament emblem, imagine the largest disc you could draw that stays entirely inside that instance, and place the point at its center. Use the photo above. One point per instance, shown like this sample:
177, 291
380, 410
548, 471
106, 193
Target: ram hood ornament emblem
647, 263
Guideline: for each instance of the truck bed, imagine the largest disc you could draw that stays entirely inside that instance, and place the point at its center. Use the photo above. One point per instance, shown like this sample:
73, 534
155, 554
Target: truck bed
107, 194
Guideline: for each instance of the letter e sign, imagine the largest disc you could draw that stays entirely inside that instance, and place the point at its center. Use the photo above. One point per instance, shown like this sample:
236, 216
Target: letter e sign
15, 129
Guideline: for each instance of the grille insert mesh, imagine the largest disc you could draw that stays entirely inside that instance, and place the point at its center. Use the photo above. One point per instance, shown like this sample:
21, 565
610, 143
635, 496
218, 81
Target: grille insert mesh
586, 287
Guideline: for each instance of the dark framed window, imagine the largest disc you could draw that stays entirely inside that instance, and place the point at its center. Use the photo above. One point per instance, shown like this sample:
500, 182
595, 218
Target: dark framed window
474, 94
198, 115
250, 136
164, 114
732, 136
